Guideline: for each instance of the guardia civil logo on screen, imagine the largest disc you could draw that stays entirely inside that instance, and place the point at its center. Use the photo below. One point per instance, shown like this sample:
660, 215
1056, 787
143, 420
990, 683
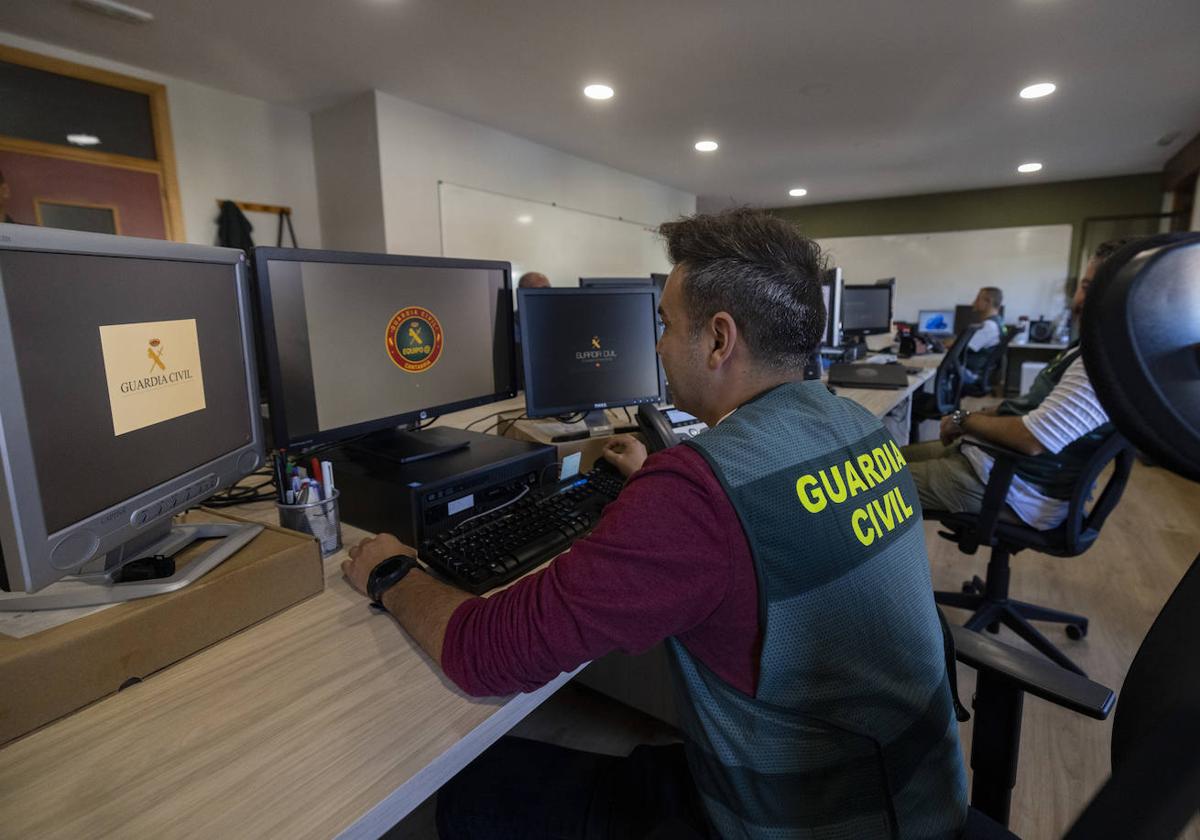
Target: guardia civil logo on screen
414, 339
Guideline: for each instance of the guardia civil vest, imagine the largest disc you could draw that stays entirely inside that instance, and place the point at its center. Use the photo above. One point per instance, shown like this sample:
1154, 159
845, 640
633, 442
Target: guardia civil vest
851, 733
1055, 475
974, 360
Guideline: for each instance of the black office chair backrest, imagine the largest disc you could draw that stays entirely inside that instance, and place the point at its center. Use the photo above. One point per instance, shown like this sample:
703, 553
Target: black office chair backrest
992, 364
948, 382
1082, 525
1141, 346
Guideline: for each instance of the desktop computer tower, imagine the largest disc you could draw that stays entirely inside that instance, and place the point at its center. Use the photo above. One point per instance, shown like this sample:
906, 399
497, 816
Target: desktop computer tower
418, 499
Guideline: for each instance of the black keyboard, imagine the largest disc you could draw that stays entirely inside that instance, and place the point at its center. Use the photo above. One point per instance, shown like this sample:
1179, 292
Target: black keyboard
490, 550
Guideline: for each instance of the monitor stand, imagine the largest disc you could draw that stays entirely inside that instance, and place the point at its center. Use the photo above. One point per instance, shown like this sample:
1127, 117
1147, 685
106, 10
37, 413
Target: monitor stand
405, 447
106, 587
597, 422
855, 348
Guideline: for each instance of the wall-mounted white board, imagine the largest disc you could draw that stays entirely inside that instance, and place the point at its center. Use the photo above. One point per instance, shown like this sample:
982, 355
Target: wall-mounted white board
939, 270
562, 243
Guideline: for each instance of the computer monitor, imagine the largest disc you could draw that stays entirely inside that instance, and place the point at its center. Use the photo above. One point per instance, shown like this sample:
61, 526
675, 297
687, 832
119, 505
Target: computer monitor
367, 344
660, 283
589, 349
127, 394
831, 293
866, 310
601, 282
938, 323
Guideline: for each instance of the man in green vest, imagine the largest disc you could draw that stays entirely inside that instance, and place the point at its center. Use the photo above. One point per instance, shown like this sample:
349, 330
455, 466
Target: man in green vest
781, 556
1058, 423
986, 311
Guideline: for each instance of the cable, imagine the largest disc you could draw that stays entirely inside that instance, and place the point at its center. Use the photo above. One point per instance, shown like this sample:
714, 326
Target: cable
244, 494
482, 419
501, 506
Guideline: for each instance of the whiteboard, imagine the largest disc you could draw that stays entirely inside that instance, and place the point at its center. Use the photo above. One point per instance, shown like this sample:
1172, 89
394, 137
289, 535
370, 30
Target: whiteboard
939, 270
562, 243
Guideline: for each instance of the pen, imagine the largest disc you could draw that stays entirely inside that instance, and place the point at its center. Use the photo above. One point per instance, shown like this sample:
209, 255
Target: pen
315, 472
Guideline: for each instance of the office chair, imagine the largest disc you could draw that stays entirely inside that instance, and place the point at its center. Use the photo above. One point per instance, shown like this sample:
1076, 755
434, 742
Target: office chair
1144, 365
947, 386
983, 386
997, 527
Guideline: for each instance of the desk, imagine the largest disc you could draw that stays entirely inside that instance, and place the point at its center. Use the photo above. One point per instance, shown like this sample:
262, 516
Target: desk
324, 720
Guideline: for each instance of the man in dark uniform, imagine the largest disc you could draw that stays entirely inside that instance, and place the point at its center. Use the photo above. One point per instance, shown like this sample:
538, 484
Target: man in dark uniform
780, 554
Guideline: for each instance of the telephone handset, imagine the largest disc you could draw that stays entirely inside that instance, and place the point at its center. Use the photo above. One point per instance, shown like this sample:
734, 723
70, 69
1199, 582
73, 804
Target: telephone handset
655, 428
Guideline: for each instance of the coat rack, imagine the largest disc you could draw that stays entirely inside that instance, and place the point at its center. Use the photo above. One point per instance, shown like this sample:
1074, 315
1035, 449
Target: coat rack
284, 213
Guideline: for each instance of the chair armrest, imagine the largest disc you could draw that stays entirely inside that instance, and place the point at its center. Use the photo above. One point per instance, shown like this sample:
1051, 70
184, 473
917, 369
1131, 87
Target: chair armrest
1034, 674
995, 495
994, 449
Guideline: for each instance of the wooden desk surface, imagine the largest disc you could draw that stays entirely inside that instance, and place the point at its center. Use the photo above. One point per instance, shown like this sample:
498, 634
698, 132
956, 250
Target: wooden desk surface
324, 720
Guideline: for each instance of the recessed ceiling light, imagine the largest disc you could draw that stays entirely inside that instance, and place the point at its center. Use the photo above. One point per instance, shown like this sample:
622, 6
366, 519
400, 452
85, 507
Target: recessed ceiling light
1029, 167
83, 139
525, 220
598, 92
1038, 91
706, 146
798, 192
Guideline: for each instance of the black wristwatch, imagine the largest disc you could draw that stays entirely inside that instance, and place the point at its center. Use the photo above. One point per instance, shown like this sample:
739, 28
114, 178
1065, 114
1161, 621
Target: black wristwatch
386, 575
958, 417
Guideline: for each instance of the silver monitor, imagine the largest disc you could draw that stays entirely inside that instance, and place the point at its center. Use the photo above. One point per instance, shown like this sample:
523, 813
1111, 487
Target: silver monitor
127, 394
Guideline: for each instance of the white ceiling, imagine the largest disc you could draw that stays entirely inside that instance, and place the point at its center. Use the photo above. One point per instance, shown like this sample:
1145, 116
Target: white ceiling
849, 98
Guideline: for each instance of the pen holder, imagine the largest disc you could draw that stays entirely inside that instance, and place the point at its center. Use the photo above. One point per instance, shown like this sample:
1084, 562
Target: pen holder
321, 518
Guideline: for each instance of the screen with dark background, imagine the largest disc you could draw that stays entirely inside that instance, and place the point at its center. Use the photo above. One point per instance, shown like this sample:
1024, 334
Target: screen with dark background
583, 349
57, 304
330, 321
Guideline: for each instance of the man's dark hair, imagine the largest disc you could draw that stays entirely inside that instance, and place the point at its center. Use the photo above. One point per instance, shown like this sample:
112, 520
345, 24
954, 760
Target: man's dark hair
762, 271
1107, 249
994, 294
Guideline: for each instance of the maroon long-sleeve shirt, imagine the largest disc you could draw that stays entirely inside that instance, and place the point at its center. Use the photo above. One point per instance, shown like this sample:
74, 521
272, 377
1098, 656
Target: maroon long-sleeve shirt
667, 558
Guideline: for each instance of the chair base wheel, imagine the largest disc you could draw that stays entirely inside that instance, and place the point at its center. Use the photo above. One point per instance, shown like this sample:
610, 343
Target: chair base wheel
1075, 632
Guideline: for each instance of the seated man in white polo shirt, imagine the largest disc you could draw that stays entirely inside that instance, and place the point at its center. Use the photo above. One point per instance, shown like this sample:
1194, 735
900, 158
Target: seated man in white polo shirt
1059, 422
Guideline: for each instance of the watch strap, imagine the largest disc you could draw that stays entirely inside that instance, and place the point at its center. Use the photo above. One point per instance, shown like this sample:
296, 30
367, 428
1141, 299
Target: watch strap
387, 574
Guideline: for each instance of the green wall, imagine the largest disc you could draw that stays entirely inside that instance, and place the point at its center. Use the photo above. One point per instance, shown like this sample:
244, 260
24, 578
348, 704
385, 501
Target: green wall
1065, 202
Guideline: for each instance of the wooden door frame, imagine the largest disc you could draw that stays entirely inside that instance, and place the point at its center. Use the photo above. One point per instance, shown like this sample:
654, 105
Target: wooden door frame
70, 202
160, 120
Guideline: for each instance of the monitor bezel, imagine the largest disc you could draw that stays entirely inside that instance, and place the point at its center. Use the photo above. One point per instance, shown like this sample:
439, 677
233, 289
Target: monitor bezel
832, 277
615, 282
270, 350
535, 411
865, 331
27, 544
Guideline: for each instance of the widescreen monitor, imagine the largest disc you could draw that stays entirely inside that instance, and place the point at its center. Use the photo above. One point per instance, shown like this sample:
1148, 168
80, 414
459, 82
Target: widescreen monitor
362, 343
127, 394
589, 349
866, 310
938, 323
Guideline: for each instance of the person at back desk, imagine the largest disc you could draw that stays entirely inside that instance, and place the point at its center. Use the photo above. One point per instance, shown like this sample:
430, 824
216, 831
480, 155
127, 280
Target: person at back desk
814, 698
991, 327
1058, 424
